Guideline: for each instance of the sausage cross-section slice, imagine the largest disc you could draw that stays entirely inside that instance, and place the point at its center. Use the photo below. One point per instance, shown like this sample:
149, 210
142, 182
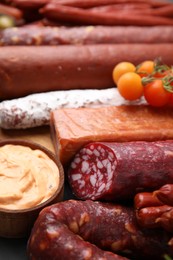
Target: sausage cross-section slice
119, 170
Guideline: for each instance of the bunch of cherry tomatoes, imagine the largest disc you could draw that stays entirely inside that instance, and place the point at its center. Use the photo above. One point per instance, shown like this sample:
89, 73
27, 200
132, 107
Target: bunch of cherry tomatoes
150, 79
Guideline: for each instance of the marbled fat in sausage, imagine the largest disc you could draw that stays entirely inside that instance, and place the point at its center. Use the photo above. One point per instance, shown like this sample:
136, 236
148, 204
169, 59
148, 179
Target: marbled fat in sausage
117, 171
78, 230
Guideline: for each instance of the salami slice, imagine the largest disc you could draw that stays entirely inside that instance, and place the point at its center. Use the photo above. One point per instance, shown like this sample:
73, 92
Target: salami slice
117, 171
103, 227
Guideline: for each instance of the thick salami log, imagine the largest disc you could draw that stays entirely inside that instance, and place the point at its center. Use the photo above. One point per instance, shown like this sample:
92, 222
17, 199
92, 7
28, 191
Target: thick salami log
32, 69
34, 110
58, 231
117, 171
111, 124
61, 35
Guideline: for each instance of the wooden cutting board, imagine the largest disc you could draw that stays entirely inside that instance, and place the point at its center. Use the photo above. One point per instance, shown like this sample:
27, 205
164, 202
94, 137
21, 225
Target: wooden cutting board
39, 135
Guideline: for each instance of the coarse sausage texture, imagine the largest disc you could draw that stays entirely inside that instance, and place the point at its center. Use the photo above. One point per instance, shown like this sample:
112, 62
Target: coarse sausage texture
84, 229
117, 171
33, 69
85, 35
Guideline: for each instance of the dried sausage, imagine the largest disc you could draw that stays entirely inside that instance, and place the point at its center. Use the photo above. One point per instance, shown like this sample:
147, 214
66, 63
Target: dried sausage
34, 110
33, 69
57, 12
37, 35
117, 171
59, 228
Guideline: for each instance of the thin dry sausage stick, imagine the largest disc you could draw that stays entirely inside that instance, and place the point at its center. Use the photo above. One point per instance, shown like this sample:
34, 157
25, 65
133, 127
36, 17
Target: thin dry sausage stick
95, 3
165, 194
84, 35
28, 69
107, 226
59, 12
152, 217
146, 199
11, 11
117, 171
30, 4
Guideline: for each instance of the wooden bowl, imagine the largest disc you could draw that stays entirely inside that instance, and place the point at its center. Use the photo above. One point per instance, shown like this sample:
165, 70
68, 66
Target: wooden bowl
17, 223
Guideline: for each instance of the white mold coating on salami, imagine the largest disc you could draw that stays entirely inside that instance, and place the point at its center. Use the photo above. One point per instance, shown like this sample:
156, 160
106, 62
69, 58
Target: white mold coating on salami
116, 171
34, 110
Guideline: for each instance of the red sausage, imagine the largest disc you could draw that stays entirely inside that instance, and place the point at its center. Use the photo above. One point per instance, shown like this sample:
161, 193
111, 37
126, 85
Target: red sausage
33, 69
117, 171
58, 231
165, 194
80, 16
146, 199
166, 220
152, 217
37, 35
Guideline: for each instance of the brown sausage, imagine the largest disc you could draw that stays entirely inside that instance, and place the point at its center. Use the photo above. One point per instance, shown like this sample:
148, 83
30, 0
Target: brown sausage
58, 231
30, 69
39, 35
93, 3
11, 11
80, 16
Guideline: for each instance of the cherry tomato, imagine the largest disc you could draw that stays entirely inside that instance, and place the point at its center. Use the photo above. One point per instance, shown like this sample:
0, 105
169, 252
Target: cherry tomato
155, 93
130, 86
122, 68
145, 68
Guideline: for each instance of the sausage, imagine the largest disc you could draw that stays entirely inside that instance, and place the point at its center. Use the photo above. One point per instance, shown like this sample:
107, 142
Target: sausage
29, 4
34, 110
61, 35
146, 199
165, 194
117, 171
59, 228
74, 15
28, 69
11, 11
153, 217
94, 3
166, 220
121, 124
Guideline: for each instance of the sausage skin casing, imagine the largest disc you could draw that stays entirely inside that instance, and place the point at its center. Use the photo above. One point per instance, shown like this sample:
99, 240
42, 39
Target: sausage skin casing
59, 228
33, 69
118, 170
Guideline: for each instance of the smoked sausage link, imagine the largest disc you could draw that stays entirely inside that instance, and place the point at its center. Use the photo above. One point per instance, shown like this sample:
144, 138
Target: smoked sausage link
79, 230
117, 171
33, 69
